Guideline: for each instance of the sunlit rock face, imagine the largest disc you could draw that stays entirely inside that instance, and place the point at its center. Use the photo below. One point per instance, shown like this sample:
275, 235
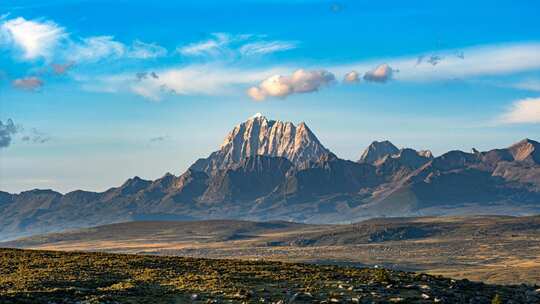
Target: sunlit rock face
260, 136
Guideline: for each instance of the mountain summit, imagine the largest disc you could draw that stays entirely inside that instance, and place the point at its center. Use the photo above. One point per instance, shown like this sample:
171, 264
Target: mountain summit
377, 150
526, 150
261, 136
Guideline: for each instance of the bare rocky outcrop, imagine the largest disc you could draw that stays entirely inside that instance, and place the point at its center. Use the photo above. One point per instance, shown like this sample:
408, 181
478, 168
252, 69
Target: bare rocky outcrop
261, 136
526, 150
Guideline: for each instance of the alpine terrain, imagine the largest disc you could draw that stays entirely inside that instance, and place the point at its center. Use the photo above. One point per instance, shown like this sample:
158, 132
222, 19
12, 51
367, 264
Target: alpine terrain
274, 170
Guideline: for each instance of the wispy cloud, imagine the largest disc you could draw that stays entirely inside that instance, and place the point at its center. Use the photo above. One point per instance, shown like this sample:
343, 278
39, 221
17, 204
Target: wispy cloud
266, 47
529, 84
35, 136
143, 50
9, 130
226, 46
95, 48
214, 46
522, 111
46, 40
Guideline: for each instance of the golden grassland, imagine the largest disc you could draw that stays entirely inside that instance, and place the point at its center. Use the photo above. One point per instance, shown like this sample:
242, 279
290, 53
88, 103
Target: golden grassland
28, 276
479, 249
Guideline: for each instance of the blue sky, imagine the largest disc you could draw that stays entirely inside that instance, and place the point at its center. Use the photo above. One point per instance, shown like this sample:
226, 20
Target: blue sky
100, 92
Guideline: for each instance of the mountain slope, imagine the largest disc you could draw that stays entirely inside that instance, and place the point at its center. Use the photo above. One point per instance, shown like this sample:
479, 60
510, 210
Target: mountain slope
499, 176
270, 170
377, 150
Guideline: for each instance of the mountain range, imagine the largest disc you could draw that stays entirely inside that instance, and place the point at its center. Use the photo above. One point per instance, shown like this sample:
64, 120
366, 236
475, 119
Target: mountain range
273, 170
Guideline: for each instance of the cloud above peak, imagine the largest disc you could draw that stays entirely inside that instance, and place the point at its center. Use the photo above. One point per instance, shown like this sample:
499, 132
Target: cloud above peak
522, 112
381, 73
301, 81
211, 79
351, 77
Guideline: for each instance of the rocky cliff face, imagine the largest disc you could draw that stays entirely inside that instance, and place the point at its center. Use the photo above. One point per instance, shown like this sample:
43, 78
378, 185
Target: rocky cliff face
260, 136
526, 150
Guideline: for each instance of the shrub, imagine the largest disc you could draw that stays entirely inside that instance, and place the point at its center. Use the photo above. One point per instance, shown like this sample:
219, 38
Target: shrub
496, 299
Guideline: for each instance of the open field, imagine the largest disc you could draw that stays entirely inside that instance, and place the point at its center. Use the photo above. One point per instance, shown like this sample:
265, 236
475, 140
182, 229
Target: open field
494, 249
61, 277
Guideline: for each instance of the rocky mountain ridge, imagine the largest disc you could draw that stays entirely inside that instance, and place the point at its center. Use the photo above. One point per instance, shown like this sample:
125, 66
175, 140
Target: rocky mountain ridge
271, 170
261, 136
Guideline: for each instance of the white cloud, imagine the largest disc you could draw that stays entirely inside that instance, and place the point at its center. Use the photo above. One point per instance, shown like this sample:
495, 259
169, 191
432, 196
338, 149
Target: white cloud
479, 61
256, 93
522, 111
301, 81
351, 77
95, 48
200, 79
35, 39
223, 78
204, 79
277, 86
381, 73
